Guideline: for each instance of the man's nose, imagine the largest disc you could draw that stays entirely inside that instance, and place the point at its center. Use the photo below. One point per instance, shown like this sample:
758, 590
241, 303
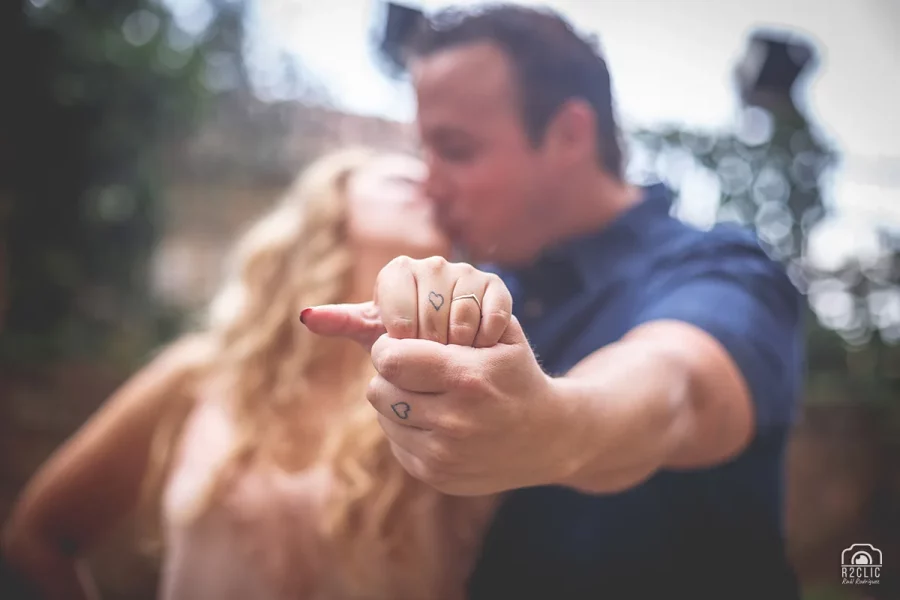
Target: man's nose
436, 186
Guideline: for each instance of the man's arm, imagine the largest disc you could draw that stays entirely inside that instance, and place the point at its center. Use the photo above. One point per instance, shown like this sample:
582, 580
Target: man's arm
668, 395
714, 361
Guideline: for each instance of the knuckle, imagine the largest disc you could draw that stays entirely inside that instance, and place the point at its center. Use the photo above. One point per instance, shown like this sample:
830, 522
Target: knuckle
494, 279
501, 314
469, 381
467, 269
497, 318
389, 364
432, 476
433, 335
414, 467
421, 469
439, 457
400, 262
400, 327
455, 429
433, 473
462, 329
372, 390
426, 476
433, 264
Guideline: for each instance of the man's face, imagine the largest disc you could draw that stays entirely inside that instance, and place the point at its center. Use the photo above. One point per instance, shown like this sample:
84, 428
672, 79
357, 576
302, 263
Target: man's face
485, 177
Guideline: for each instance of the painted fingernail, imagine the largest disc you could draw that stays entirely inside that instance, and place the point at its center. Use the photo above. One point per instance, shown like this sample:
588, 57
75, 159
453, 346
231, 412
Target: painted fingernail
303, 314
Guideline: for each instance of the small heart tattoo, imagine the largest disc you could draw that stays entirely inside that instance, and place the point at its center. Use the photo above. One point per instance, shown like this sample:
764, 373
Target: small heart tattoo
437, 300
401, 409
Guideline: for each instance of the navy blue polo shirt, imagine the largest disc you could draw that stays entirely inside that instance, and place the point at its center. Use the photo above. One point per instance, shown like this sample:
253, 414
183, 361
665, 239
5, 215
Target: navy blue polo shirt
714, 533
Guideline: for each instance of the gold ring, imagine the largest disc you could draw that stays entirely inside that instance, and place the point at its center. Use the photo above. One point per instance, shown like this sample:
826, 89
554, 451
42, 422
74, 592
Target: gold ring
471, 296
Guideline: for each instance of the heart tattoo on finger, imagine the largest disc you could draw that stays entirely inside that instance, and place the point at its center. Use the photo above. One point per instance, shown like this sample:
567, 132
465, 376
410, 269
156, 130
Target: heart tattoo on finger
437, 300
401, 409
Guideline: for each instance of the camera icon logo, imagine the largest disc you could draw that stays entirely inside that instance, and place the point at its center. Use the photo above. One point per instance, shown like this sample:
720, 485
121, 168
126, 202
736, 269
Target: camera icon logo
861, 565
861, 555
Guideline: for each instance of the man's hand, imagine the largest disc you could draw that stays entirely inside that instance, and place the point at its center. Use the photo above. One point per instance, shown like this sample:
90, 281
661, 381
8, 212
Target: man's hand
468, 409
459, 392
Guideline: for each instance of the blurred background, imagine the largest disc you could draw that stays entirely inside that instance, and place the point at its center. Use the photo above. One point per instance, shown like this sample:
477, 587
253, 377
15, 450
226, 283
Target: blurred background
138, 137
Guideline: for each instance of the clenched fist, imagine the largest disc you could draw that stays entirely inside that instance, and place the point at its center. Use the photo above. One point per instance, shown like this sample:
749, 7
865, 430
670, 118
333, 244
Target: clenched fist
459, 391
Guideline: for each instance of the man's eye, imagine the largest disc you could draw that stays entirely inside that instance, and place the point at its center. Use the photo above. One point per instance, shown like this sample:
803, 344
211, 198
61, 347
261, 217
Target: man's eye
457, 153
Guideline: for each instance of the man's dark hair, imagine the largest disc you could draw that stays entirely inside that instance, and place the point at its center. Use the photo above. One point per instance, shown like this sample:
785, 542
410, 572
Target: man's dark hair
552, 63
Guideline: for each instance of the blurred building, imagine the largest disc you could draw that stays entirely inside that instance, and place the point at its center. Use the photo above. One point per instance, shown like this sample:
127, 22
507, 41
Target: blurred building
233, 169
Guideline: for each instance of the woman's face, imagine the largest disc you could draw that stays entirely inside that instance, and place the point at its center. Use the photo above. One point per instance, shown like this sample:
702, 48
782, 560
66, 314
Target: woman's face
389, 212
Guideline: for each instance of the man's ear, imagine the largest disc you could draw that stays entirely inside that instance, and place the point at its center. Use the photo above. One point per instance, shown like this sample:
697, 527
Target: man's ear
572, 132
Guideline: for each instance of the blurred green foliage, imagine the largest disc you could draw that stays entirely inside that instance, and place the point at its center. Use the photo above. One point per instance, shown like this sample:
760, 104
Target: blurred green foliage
770, 173
94, 92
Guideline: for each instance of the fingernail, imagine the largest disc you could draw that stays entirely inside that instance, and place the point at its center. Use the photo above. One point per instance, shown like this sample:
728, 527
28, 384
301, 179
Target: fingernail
303, 314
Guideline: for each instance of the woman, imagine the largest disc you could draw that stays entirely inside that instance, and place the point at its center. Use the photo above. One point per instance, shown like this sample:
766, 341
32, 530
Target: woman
251, 440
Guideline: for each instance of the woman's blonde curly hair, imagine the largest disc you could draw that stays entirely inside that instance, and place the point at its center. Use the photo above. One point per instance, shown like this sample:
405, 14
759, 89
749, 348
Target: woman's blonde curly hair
379, 521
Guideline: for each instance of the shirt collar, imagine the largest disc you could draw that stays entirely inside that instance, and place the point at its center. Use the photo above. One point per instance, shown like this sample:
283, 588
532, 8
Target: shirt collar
596, 257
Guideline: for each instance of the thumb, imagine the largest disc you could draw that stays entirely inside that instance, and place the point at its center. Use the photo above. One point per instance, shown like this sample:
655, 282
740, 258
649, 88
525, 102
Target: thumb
358, 322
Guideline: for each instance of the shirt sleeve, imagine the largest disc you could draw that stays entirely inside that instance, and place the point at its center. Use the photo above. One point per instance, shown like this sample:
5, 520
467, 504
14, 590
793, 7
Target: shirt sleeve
745, 301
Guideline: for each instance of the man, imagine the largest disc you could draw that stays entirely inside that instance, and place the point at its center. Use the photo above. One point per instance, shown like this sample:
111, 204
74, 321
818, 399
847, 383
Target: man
650, 462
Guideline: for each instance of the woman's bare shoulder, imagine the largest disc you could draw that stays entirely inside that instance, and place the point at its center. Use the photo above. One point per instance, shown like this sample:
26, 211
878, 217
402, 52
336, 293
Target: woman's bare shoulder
184, 355
170, 370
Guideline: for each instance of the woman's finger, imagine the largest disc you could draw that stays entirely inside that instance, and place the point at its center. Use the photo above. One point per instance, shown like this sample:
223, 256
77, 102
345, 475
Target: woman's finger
359, 322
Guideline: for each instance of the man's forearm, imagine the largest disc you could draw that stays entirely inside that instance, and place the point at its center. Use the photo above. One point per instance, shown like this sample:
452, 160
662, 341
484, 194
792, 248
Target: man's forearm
633, 413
